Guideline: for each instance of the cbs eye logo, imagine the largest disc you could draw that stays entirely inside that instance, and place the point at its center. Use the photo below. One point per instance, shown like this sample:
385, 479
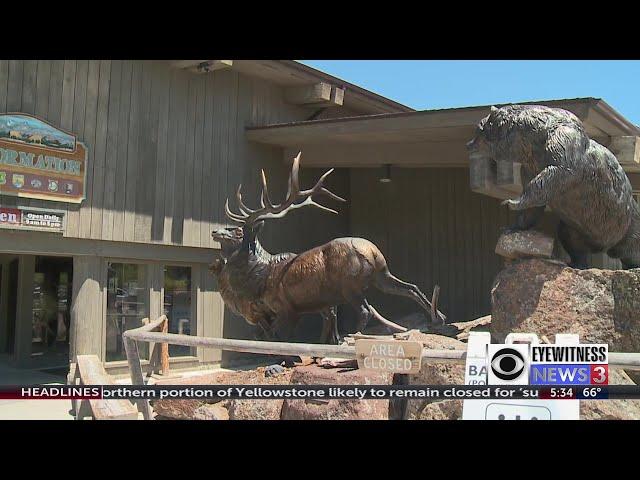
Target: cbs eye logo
507, 364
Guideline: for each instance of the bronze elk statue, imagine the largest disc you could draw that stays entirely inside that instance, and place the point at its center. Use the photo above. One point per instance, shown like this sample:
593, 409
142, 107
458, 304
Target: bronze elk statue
275, 290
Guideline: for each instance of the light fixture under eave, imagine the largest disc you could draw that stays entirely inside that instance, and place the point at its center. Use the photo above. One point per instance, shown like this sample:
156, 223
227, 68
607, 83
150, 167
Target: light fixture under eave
204, 67
386, 175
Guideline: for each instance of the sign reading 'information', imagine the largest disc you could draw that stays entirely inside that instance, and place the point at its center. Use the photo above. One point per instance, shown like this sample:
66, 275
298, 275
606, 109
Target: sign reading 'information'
40, 161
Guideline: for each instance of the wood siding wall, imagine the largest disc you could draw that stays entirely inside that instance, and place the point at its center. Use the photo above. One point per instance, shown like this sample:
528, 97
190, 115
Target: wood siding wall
433, 229
166, 147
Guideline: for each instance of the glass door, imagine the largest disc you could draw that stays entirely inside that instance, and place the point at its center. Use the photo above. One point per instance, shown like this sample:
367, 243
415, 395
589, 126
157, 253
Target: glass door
127, 306
178, 306
51, 315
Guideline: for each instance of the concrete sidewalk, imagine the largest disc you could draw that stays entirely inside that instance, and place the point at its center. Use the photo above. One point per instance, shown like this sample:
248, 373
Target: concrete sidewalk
32, 409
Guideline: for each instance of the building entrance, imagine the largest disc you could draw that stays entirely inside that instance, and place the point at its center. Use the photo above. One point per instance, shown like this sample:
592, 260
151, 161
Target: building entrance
8, 290
51, 313
35, 310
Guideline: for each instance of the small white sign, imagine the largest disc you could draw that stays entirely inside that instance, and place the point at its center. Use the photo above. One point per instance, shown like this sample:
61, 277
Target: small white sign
516, 411
42, 220
476, 366
481, 354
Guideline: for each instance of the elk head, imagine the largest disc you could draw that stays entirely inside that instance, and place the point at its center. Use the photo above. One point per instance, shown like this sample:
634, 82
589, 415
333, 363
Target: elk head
230, 239
243, 237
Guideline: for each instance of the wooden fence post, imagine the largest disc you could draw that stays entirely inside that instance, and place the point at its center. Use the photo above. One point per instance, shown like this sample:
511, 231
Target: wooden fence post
133, 358
164, 349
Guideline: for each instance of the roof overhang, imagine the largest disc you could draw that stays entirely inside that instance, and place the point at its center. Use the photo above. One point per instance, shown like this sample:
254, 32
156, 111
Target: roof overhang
421, 138
289, 73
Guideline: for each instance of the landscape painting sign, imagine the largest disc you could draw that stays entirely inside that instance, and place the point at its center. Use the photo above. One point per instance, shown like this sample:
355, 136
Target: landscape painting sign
40, 161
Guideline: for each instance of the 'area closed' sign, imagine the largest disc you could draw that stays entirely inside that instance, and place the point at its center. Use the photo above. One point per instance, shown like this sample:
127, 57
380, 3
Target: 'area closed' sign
395, 356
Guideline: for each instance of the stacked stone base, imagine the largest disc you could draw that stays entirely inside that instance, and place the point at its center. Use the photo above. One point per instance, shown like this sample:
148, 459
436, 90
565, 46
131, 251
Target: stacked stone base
535, 293
332, 409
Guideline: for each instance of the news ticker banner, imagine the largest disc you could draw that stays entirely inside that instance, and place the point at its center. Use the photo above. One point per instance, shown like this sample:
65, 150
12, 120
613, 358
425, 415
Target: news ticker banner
342, 392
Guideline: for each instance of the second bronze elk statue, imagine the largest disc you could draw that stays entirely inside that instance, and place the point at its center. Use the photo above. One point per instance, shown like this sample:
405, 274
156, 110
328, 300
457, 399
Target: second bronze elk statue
275, 290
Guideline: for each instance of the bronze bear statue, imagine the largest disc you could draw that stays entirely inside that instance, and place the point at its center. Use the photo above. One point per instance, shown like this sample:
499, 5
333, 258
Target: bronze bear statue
579, 179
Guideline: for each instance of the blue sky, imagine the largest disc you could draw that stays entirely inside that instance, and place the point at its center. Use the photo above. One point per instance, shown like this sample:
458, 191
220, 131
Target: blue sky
426, 84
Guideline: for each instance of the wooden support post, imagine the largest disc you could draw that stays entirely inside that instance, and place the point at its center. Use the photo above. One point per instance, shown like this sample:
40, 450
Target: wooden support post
87, 320
159, 352
24, 310
164, 349
133, 359
154, 353
211, 312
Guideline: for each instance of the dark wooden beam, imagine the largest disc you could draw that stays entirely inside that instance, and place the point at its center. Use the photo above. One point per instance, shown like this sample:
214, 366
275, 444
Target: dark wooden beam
497, 180
627, 151
317, 95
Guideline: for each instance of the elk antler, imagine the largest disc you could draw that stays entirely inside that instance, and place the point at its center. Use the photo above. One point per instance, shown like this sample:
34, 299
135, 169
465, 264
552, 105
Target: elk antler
248, 216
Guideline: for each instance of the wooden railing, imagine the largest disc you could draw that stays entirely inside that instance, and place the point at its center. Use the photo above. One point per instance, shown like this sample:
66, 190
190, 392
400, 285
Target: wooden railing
156, 332
158, 357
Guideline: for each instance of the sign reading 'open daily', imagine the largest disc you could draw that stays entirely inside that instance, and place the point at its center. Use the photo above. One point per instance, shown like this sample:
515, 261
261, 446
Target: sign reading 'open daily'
24, 218
40, 161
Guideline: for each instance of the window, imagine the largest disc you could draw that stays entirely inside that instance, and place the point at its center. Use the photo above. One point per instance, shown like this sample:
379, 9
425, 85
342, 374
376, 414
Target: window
127, 305
177, 306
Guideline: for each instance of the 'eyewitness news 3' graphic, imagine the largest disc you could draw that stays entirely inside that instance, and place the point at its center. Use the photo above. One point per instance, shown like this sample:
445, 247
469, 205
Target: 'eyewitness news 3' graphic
545, 364
566, 370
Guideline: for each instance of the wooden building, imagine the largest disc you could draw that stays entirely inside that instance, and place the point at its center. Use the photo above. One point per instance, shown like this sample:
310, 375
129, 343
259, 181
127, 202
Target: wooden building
168, 141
